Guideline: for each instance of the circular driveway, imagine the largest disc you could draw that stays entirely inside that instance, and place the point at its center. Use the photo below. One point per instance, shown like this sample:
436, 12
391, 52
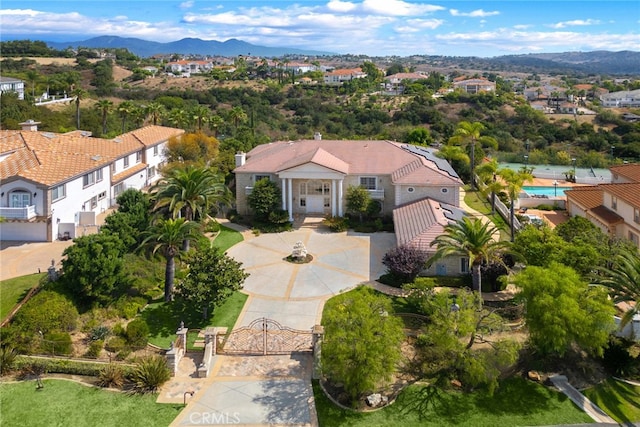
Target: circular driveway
294, 294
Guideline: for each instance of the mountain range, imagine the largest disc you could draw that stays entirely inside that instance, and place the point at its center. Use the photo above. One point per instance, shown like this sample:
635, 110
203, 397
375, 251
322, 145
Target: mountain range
187, 46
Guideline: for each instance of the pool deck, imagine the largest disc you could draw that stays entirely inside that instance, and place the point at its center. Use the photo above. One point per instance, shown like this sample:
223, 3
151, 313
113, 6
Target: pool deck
553, 218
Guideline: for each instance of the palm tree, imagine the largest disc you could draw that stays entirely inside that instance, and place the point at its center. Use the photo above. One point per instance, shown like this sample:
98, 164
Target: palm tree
189, 192
514, 181
79, 94
201, 114
624, 281
155, 111
179, 118
469, 134
33, 76
104, 106
167, 236
487, 172
469, 238
125, 109
215, 122
237, 116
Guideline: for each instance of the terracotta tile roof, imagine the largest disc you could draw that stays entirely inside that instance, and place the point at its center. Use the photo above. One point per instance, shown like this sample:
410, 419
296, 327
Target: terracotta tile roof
587, 197
128, 172
606, 215
49, 158
630, 171
629, 192
352, 157
417, 224
406, 76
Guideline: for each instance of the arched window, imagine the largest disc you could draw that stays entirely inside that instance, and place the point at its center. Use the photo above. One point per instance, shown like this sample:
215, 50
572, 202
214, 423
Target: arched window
19, 199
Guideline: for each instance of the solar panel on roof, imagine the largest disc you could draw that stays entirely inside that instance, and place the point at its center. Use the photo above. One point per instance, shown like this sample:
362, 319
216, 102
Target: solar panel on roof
430, 154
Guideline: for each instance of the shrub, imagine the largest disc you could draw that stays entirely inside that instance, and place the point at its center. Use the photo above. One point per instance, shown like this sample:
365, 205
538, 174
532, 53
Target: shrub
123, 354
617, 360
57, 343
7, 359
99, 333
118, 330
137, 333
47, 311
115, 344
129, 307
150, 373
111, 375
95, 348
62, 366
405, 262
336, 224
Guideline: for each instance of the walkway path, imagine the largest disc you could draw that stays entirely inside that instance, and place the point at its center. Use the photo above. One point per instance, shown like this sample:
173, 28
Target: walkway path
598, 415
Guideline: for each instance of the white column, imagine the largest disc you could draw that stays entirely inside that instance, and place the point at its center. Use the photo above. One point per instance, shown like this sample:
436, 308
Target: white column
340, 197
334, 198
284, 193
290, 197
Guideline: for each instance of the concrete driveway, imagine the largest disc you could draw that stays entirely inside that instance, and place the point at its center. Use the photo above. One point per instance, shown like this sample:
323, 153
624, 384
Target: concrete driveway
22, 258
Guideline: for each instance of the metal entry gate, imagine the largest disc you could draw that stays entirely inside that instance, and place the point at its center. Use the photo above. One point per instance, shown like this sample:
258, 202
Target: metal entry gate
264, 336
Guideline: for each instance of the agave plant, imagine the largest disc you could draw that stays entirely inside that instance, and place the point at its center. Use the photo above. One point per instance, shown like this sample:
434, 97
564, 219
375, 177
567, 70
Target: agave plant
111, 375
150, 374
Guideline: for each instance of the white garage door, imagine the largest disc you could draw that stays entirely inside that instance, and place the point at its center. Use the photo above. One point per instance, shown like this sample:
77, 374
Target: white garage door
22, 231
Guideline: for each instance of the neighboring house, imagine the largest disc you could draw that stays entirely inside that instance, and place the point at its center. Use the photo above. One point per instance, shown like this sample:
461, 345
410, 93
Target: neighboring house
337, 77
420, 190
51, 183
190, 67
625, 98
11, 85
475, 85
614, 207
395, 82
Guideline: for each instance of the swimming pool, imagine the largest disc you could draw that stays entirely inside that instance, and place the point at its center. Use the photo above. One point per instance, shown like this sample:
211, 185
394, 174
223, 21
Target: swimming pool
545, 191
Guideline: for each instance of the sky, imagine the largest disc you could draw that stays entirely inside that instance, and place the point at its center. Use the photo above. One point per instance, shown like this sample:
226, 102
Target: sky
367, 27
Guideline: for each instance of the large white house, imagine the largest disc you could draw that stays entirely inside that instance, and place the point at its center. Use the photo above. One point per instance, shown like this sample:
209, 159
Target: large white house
11, 85
420, 190
624, 98
51, 183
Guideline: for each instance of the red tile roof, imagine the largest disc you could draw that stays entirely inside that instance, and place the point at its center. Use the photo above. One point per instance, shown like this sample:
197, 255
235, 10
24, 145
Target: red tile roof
630, 171
418, 223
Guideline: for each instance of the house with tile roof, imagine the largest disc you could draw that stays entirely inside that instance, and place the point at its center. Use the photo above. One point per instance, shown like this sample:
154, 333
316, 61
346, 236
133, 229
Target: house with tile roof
51, 183
613, 207
11, 85
475, 85
337, 77
420, 190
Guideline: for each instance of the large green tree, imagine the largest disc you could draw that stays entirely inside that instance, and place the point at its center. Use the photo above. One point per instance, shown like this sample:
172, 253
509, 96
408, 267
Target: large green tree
166, 236
514, 181
264, 198
131, 219
93, 269
358, 200
212, 278
561, 310
469, 238
469, 134
361, 346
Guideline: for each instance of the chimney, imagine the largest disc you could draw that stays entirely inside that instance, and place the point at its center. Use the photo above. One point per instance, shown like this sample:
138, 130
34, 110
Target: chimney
241, 158
317, 136
30, 125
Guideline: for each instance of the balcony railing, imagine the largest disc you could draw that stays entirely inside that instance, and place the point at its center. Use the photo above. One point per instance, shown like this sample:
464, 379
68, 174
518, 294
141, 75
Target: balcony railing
376, 194
27, 212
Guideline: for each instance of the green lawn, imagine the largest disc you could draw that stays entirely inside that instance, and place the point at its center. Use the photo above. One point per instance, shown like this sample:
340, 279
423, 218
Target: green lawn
477, 201
517, 402
66, 403
163, 320
226, 238
13, 290
618, 399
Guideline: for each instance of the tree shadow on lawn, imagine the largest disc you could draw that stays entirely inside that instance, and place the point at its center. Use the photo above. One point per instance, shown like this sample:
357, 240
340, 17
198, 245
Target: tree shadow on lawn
515, 396
615, 395
164, 320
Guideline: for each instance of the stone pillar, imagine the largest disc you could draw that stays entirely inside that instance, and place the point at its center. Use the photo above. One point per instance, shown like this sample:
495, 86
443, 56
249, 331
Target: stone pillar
290, 197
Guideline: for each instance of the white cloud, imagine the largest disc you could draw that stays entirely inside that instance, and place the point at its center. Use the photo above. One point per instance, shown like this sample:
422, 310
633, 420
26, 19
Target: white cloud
341, 6
187, 4
575, 23
398, 8
479, 13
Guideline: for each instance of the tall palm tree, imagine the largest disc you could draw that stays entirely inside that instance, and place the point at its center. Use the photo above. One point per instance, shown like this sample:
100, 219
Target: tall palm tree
167, 236
215, 122
33, 77
201, 114
155, 111
623, 279
104, 106
237, 116
125, 109
179, 118
79, 94
487, 172
514, 181
469, 134
189, 192
469, 238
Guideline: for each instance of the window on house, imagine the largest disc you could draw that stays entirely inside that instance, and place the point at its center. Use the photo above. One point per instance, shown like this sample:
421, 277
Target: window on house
368, 182
99, 175
126, 162
20, 199
636, 215
261, 177
614, 203
88, 179
155, 150
113, 168
464, 265
102, 195
634, 238
58, 192
138, 157
118, 188
303, 202
327, 202
151, 172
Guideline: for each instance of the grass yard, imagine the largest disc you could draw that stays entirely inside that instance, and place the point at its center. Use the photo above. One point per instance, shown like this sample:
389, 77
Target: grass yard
70, 404
517, 402
163, 320
476, 201
618, 399
226, 238
13, 290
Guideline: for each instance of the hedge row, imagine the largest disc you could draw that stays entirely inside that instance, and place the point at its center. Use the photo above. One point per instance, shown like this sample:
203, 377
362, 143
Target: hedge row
62, 366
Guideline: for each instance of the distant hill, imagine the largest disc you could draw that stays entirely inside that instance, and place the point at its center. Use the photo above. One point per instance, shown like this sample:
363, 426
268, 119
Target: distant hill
623, 62
145, 48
